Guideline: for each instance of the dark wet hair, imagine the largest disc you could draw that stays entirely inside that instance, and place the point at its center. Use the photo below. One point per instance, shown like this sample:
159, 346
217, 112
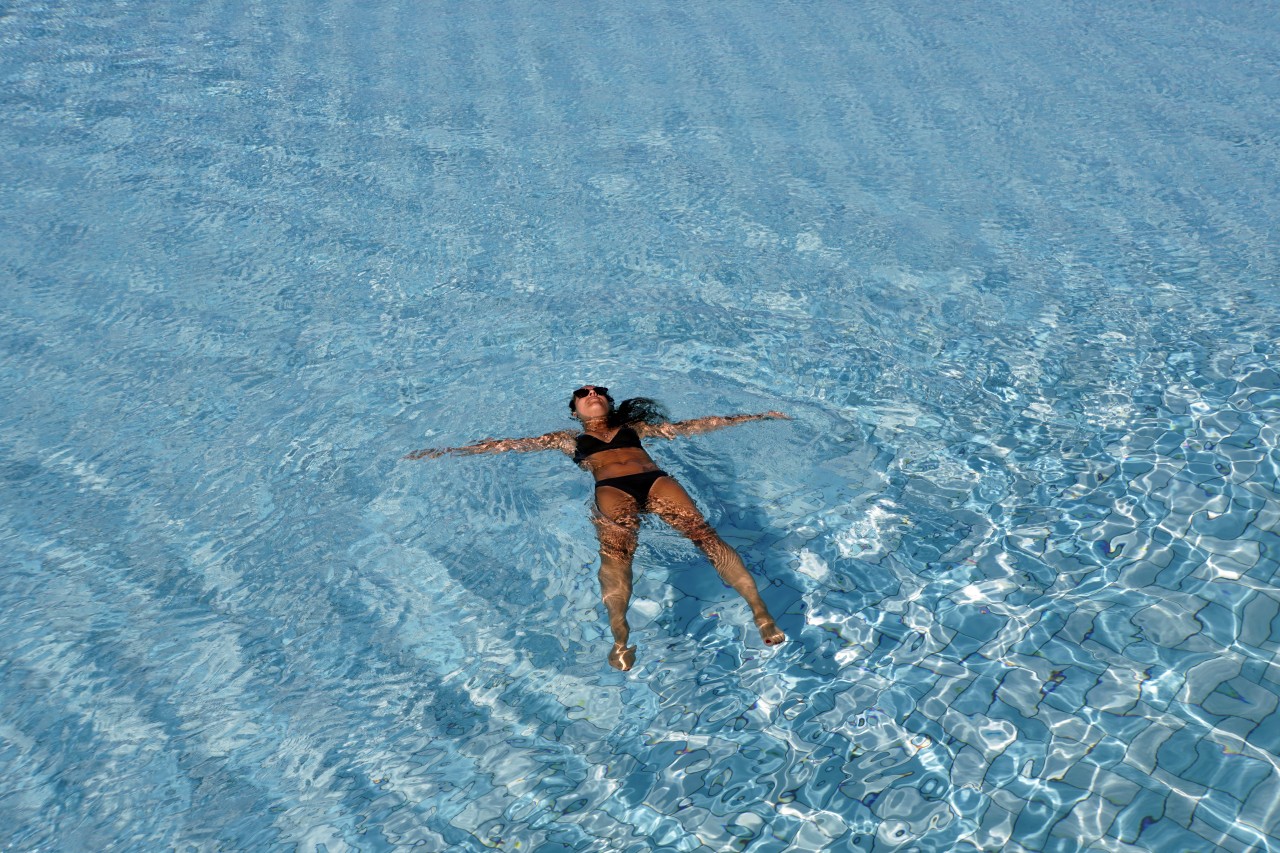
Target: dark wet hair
638, 409
630, 411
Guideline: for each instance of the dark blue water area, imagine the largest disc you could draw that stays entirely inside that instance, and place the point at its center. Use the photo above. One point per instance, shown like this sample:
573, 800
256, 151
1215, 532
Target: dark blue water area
1009, 268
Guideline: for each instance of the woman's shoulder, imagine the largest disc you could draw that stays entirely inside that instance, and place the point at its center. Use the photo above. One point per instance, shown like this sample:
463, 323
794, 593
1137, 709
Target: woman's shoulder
562, 439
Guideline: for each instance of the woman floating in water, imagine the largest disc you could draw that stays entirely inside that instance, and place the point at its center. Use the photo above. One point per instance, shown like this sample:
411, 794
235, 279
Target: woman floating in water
628, 483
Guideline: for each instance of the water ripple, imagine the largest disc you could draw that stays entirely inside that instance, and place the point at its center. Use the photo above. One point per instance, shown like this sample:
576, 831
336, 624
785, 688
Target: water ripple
1009, 269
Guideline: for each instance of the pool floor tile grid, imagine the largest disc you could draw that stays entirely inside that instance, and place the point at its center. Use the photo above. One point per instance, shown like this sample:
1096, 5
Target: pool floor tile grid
1009, 266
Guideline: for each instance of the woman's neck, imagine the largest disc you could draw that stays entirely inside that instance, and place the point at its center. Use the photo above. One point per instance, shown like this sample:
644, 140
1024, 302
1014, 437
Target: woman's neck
600, 424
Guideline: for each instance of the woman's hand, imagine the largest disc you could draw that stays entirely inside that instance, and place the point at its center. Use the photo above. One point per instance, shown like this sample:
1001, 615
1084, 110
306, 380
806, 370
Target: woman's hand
776, 416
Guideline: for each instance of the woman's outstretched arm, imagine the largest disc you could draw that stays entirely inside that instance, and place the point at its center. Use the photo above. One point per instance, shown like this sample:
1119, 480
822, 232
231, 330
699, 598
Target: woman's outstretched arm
562, 441
697, 425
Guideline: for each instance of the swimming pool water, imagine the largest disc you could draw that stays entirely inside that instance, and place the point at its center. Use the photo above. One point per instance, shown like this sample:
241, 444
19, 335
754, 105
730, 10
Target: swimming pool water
1010, 267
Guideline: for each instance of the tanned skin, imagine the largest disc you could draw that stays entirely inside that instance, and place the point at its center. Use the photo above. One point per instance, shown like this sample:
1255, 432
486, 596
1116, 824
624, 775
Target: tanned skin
617, 515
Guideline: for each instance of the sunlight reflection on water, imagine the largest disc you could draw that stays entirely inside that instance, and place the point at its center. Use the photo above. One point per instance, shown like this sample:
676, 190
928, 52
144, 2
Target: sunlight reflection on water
1008, 269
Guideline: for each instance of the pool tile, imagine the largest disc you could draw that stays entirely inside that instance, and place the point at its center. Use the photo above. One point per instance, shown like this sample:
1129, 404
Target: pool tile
1068, 686
1226, 772
1261, 808
1239, 697
1168, 623
968, 766
1039, 816
1141, 574
1116, 690
1161, 688
1266, 735
1147, 806
1111, 786
1231, 732
1262, 621
1169, 835
1039, 633
1203, 678
1088, 820
997, 827
1178, 752
1078, 626
1069, 728
1183, 798
977, 696
1265, 672
1021, 689
1227, 835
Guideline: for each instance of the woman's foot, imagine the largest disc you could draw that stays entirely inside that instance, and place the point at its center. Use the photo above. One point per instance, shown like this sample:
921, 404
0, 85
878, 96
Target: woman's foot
769, 631
622, 656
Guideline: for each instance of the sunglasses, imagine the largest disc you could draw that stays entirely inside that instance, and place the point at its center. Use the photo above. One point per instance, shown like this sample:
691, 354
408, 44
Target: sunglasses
587, 389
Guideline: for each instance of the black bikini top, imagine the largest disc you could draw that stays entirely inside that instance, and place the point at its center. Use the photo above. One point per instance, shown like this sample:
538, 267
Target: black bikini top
588, 445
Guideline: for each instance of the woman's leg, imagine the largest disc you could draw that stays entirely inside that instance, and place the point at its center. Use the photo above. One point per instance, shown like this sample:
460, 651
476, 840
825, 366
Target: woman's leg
672, 504
617, 524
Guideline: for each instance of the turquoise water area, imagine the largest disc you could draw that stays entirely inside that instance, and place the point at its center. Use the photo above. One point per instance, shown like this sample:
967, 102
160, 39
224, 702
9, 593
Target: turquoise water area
1011, 267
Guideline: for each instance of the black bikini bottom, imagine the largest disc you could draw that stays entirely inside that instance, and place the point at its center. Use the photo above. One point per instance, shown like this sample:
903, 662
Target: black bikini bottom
636, 485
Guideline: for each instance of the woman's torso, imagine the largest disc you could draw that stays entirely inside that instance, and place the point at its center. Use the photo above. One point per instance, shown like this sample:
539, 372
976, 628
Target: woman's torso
618, 455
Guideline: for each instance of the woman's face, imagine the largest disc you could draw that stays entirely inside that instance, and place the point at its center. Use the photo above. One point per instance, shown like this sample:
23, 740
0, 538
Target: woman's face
591, 406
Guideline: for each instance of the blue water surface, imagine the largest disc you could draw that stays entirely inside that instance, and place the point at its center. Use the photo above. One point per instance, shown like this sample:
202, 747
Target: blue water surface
1011, 267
